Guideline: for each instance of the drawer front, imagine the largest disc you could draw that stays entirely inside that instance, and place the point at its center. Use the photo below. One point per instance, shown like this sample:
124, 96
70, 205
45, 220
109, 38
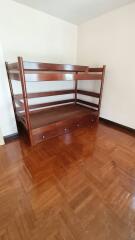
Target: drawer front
61, 128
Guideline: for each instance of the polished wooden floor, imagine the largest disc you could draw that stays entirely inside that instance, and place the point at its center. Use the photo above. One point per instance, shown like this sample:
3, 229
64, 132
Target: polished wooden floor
80, 186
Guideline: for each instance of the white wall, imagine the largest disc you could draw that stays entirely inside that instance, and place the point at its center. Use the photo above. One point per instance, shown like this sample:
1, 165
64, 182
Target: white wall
35, 36
110, 40
7, 119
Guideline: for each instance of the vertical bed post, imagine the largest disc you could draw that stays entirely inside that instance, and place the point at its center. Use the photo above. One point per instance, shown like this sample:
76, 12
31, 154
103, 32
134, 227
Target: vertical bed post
12, 93
76, 83
25, 97
101, 89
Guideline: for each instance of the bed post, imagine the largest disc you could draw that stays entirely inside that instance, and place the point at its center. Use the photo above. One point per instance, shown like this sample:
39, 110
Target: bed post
12, 93
25, 97
101, 89
76, 83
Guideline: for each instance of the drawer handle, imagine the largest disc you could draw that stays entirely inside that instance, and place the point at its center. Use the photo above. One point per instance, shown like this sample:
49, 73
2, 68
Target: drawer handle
43, 137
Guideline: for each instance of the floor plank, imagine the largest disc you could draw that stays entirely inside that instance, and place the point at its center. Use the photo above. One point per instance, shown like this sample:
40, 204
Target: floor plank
80, 186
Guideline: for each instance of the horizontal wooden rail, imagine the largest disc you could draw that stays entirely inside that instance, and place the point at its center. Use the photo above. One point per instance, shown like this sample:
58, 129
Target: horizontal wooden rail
32, 77
45, 94
88, 103
87, 76
95, 70
88, 93
42, 105
35, 66
14, 76
50, 76
12, 66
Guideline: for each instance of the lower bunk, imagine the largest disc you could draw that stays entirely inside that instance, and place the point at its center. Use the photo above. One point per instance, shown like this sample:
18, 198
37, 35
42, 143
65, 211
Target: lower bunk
55, 121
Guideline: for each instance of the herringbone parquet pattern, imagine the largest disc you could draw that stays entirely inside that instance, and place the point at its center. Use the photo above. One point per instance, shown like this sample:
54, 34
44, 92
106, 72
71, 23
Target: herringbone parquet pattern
80, 186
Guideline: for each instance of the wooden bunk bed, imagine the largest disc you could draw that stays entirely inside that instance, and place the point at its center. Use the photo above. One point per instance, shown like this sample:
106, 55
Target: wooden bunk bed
45, 120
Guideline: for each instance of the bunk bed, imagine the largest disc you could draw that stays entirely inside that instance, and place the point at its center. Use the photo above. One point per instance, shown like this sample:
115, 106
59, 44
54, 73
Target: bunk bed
41, 121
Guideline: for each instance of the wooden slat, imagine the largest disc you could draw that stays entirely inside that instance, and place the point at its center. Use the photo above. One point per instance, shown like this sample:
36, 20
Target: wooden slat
51, 93
35, 66
88, 103
40, 105
14, 76
49, 77
95, 70
45, 94
88, 93
12, 66
86, 76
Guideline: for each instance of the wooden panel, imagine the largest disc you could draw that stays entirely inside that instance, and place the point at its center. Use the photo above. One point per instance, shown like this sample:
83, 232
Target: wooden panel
86, 76
14, 76
49, 76
87, 103
95, 69
58, 113
53, 67
88, 93
12, 66
62, 127
46, 94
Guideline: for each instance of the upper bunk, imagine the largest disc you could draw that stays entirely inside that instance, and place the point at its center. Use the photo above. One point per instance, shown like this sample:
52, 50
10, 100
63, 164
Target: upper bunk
36, 71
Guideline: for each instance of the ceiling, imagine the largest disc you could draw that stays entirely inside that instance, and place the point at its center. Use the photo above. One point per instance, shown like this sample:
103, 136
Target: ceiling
75, 11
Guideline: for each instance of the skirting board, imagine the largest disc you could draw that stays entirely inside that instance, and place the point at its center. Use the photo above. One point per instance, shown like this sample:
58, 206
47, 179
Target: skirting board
11, 137
118, 126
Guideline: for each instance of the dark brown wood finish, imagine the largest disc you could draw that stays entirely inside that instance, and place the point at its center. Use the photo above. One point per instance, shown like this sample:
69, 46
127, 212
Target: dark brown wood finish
88, 103
79, 186
48, 104
76, 83
25, 113
87, 76
88, 93
96, 70
14, 76
101, 88
46, 94
45, 76
12, 66
35, 66
25, 98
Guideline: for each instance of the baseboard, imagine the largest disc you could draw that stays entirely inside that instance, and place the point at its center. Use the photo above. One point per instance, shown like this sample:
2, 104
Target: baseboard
118, 126
11, 137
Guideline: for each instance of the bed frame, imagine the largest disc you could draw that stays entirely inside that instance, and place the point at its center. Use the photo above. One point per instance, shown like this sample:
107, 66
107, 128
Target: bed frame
45, 120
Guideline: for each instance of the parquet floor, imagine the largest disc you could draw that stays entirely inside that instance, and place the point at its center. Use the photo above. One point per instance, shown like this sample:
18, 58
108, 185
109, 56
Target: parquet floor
80, 186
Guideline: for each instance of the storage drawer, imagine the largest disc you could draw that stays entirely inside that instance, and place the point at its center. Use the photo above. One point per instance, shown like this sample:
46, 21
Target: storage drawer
61, 128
